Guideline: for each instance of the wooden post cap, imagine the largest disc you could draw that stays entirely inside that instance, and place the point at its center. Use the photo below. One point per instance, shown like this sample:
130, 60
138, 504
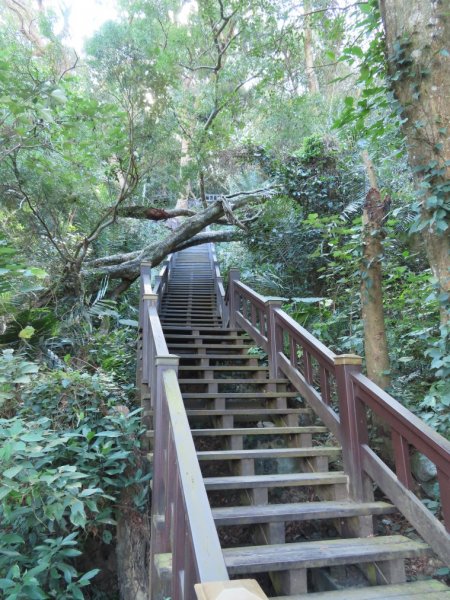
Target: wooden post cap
275, 300
167, 360
347, 359
239, 589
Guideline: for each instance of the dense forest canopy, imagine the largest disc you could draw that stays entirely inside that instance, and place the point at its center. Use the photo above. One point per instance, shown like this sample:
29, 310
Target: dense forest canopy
311, 139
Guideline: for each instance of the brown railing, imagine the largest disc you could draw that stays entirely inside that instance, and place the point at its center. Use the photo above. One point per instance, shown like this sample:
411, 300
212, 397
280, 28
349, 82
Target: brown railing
184, 541
341, 396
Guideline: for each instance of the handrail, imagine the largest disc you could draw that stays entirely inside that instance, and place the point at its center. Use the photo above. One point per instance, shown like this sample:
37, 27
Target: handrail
182, 524
339, 394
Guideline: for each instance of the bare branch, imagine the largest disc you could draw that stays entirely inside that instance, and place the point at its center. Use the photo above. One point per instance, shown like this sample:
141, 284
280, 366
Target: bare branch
61, 251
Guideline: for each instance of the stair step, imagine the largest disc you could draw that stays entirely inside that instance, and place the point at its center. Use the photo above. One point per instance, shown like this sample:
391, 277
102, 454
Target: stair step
243, 395
323, 553
255, 413
219, 329
203, 346
222, 368
242, 482
269, 453
299, 511
228, 381
429, 589
257, 431
220, 356
197, 336
251, 431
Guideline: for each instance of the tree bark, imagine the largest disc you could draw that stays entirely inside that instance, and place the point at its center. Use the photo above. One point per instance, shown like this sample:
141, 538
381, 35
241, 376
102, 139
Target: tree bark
375, 341
417, 36
151, 213
313, 82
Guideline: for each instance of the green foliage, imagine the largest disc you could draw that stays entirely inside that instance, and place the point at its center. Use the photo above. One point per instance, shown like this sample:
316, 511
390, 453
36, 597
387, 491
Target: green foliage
435, 407
66, 455
15, 371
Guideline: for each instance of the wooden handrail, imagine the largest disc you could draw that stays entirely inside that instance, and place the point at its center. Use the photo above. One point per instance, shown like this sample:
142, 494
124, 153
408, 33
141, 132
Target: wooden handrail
182, 526
339, 393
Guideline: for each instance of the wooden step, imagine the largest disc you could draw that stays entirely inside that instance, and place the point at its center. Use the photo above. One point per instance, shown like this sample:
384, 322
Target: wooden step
265, 453
243, 395
257, 431
253, 414
203, 346
234, 381
245, 482
181, 336
251, 431
268, 453
323, 553
227, 357
416, 590
298, 511
210, 329
223, 368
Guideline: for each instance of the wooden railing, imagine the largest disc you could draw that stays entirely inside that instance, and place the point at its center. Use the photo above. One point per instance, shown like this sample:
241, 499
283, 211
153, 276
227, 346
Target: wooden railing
184, 539
341, 396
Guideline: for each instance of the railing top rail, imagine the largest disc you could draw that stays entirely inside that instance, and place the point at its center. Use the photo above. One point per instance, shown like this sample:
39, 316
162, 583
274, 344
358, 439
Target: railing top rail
157, 333
314, 344
251, 294
207, 550
421, 436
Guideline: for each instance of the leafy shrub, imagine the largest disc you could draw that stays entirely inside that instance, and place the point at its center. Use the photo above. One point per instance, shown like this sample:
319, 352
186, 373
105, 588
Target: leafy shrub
66, 456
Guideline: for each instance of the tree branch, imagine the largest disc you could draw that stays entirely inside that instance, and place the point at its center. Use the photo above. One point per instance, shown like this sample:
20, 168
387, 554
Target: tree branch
152, 213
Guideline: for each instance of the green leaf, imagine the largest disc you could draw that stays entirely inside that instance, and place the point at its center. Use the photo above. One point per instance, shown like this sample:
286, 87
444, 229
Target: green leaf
59, 95
13, 471
87, 576
27, 332
77, 514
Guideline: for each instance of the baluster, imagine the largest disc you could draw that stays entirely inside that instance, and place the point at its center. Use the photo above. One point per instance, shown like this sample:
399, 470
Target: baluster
402, 461
325, 384
190, 570
308, 366
234, 275
253, 314
293, 351
444, 488
178, 557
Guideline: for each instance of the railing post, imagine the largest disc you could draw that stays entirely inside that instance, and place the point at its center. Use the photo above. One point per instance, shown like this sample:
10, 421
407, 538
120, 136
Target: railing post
353, 423
274, 336
234, 275
162, 486
150, 301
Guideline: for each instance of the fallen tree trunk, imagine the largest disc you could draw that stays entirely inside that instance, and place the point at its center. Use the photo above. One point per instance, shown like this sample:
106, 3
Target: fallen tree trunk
189, 233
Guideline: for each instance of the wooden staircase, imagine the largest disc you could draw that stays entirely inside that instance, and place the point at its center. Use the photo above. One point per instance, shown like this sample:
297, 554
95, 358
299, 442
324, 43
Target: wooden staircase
273, 473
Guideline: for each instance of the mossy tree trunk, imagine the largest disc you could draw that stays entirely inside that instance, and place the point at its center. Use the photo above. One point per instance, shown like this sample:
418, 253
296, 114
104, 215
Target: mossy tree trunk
375, 340
417, 38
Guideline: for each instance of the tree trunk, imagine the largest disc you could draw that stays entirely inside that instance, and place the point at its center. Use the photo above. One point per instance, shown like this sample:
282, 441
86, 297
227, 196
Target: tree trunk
375, 341
417, 37
133, 548
313, 83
